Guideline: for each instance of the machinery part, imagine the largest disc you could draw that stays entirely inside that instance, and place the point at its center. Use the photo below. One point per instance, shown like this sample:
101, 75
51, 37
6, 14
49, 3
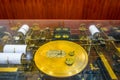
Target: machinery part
97, 35
106, 68
56, 66
94, 75
71, 53
47, 33
93, 68
117, 53
2, 30
24, 29
69, 61
15, 48
7, 38
10, 73
116, 65
62, 33
94, 31
8, 69
115, 33
42, 35
10, 58
22, 33
57, 36
55, 53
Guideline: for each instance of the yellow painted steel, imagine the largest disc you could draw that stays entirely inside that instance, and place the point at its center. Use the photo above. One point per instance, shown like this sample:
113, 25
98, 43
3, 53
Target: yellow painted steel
108, 67
117, 49
8, 69
118, 53
56, 66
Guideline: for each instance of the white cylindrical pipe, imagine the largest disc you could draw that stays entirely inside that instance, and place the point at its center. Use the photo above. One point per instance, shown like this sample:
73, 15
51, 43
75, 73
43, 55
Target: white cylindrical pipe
15, 48
3, 58
10, 58
93, 30
14, 58
24, 29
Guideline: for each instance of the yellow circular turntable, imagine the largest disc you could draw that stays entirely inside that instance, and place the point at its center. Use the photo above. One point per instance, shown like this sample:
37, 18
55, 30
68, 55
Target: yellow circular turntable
61, 58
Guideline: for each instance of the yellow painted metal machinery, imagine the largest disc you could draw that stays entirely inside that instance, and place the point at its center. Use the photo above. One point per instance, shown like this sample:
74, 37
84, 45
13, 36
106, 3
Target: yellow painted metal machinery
61, 58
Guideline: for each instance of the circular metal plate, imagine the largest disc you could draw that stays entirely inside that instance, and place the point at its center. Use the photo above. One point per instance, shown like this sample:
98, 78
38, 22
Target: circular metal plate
56, 66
